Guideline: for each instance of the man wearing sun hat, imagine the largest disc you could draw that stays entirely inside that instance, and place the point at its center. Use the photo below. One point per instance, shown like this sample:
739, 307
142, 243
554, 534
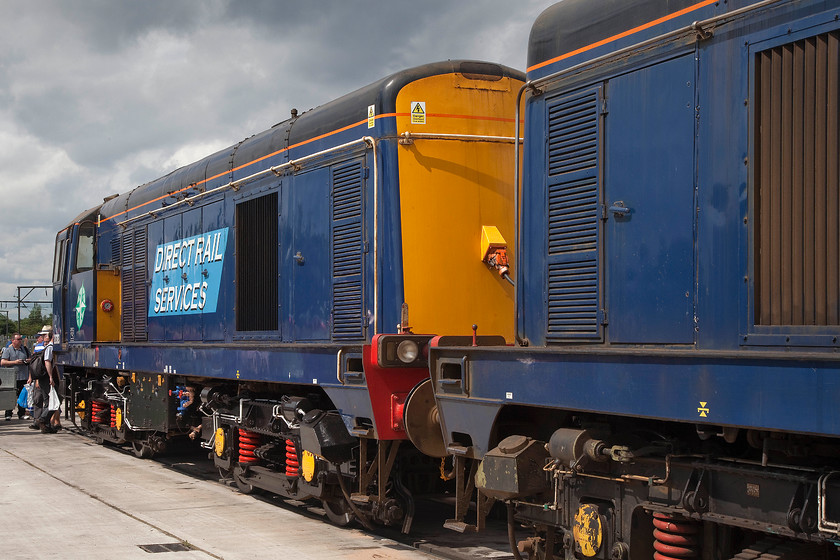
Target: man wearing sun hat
45, 419
39, 340
55, 376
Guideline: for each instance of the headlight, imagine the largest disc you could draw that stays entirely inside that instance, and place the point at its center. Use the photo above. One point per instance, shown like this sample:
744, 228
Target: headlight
401, 350
407, 351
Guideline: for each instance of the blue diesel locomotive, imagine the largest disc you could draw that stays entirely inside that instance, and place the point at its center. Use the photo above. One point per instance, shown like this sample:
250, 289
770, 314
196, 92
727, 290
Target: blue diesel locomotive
673, 390
258, 300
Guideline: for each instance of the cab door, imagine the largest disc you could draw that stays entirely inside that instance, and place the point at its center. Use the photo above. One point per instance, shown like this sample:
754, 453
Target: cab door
80, 299
62, 241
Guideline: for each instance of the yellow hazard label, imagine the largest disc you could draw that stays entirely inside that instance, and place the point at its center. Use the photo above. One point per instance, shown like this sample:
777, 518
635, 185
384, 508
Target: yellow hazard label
371, 116
418, 112
703, 410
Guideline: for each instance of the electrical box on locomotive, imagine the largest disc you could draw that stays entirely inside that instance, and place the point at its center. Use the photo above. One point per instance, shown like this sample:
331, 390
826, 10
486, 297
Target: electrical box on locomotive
274, 301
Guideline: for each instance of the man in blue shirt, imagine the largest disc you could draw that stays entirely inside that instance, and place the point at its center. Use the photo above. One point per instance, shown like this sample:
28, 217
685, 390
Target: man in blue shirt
15, 355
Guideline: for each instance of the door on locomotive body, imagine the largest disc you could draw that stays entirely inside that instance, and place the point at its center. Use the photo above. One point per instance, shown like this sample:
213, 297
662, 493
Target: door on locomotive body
79, 317
649, 194
620, 152
324, 254
308, 256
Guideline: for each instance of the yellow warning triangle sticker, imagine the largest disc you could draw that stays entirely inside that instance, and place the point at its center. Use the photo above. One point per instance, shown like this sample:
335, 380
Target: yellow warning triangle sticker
418, 112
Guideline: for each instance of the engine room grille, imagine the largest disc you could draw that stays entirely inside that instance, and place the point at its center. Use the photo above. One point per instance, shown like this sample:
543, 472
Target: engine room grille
257, 264
573, 123
797, 204
133, 251
348, 250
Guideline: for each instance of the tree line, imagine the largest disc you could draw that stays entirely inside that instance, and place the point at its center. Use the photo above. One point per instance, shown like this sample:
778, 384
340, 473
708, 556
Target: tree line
29, 325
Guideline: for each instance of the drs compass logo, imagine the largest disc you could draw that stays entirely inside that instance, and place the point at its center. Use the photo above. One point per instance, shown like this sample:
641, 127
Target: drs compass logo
81, 305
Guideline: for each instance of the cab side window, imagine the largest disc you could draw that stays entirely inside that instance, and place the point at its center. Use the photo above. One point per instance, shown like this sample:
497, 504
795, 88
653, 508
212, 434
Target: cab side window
84, 252
58, 262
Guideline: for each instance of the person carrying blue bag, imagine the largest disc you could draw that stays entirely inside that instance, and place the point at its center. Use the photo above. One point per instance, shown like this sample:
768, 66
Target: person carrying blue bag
23, 397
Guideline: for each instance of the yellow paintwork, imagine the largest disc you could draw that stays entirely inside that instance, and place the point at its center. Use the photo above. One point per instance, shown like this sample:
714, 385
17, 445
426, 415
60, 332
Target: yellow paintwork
307, 465
108, 324
587, 530
219, 442
449, 190
119, 419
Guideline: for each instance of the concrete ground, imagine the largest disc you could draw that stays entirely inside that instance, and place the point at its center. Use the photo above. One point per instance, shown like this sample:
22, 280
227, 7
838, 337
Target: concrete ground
63, 496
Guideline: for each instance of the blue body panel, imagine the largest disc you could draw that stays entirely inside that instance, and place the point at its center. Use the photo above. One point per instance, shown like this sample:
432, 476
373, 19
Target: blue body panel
773, 393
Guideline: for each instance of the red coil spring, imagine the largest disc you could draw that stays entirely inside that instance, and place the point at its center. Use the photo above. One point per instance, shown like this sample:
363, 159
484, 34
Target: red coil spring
675, 537
100, 412
113, 416
248, 442
292, 462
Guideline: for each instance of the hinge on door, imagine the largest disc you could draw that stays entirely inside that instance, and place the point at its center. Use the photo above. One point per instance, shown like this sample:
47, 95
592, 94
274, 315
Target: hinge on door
604, 109
366, 172
603, 212
365, 247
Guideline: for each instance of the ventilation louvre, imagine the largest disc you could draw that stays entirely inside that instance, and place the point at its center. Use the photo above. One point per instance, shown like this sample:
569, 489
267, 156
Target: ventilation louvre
348, 250
573, 217
257, 264
133, 251
797, 230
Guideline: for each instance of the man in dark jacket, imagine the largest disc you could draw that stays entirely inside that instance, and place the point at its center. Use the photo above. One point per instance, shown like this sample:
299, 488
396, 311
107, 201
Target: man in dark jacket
41, 413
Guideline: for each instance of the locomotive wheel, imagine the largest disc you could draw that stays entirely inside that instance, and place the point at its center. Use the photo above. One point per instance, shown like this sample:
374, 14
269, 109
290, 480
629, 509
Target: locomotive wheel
422, 423
338, 512
141, 450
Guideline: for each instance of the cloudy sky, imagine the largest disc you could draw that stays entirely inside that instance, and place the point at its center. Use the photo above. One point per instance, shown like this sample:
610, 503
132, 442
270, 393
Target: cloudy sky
99, 96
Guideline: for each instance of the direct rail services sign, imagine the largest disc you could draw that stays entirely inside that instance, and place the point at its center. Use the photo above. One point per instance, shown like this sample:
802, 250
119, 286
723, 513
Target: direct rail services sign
187, 275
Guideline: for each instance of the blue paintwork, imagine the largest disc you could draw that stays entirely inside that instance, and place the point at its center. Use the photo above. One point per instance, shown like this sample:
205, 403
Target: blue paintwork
702, 204
306, 366
769, 393
675, 272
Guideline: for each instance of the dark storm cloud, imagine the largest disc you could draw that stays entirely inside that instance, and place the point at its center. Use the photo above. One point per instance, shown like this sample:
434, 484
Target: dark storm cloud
109, 25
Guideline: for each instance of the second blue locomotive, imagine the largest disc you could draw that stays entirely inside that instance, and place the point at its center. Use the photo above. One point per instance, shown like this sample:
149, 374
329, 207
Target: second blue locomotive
673, 392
